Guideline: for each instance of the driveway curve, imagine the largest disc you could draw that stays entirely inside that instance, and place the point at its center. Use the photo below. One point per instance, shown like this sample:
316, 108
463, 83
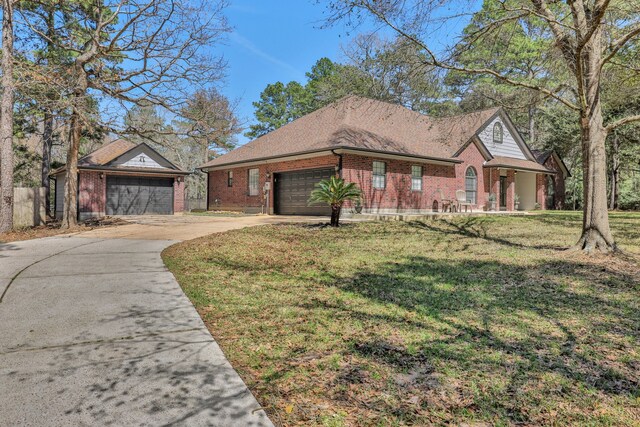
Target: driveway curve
94, 330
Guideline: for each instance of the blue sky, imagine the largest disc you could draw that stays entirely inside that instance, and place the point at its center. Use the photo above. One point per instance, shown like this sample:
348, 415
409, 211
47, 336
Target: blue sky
277, 40
274, 40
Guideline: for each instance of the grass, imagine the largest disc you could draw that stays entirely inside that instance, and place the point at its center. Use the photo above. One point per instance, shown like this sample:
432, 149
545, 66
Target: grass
52, 228
474, 320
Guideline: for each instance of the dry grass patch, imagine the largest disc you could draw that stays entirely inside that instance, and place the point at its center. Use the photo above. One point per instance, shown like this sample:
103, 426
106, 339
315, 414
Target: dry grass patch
52, 228
474, 320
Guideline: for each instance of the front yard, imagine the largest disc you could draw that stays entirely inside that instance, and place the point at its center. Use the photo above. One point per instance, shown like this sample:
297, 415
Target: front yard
473, 320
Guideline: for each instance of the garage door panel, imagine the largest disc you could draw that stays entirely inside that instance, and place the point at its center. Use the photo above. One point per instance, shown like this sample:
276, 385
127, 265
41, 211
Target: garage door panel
292, 191
138, 196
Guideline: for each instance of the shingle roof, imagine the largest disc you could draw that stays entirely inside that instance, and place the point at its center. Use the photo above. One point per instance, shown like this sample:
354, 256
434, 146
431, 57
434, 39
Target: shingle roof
541, 155
101, 158
361, 123
509, 162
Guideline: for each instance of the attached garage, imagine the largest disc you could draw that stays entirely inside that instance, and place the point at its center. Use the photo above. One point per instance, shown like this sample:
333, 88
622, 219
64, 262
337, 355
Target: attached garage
131, 195
122, 178
292, 191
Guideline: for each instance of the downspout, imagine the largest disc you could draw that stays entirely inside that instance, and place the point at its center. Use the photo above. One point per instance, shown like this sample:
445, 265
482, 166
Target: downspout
206, 192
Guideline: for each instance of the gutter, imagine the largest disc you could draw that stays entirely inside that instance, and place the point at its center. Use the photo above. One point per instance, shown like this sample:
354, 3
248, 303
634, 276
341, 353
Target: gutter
335, 150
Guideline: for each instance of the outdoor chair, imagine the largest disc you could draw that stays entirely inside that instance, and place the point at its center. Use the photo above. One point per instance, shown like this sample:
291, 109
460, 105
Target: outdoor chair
461, 197
445, 203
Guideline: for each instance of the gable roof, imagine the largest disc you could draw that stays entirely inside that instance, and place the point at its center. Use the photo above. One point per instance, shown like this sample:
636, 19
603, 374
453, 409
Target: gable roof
106, 153
542, 156
102, 158
364, 124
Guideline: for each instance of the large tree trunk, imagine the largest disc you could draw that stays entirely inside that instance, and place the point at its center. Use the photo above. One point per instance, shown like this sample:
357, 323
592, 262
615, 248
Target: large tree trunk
615, 174
47, 143
70, 216
6, 120
596, 234
47, 134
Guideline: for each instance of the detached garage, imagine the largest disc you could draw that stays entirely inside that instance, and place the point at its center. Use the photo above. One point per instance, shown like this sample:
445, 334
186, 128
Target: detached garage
122, 178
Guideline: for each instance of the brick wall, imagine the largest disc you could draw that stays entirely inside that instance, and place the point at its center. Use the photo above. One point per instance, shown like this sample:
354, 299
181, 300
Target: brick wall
558, 181
541, 190
178, 195
237, 198
91, 194
397, 194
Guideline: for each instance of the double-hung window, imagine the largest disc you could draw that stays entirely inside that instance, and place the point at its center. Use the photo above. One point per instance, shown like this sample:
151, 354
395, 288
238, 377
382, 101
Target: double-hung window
230, 179
416, 178
254, 178
379, 174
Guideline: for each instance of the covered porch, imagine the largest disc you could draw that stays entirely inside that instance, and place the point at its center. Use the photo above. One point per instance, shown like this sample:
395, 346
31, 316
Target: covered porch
517, 189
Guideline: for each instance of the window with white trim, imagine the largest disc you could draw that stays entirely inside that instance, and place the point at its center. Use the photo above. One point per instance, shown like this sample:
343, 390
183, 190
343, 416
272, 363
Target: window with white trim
416, 178
254, 185
471, 185
379, 174
230, 179
498, 133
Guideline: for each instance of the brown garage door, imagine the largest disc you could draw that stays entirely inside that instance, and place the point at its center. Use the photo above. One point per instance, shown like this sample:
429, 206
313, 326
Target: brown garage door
130, 195
292, 191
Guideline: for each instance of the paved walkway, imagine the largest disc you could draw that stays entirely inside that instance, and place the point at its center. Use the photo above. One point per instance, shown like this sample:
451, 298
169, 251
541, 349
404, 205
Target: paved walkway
94, 330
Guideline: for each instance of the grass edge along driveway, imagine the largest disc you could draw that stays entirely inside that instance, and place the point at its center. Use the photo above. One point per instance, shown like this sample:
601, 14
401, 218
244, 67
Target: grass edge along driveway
477, 320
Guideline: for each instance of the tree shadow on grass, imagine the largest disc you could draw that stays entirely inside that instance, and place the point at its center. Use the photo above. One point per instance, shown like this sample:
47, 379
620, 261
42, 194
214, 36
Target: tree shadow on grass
477, 228
519, 324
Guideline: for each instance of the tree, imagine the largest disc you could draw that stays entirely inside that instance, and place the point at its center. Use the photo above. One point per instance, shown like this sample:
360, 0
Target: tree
279, 104
589, 38
334, 192
6, 119
132, 52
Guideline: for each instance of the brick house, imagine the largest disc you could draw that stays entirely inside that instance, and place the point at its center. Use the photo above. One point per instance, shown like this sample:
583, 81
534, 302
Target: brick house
403, 161
123, 178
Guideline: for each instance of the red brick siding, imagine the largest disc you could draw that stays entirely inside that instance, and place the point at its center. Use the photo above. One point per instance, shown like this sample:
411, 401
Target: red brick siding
92, 193
178, 195
358, 169
558, 180
237, 196
541, 190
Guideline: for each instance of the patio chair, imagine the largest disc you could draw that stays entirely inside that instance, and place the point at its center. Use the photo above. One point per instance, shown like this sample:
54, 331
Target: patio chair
461, 197
445, 203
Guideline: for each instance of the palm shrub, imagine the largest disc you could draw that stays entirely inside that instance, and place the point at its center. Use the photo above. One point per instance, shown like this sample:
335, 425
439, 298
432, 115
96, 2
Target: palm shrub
334, 192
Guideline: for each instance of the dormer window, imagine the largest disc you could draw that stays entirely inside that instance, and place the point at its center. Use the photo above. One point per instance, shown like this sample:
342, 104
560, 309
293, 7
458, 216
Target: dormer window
497, 133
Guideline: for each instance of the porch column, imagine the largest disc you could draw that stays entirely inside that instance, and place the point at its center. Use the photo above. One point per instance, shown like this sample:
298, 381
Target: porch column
541, 191
511, 189
494, 185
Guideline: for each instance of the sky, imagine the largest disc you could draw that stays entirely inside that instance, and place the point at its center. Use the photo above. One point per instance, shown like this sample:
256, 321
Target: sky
276, 40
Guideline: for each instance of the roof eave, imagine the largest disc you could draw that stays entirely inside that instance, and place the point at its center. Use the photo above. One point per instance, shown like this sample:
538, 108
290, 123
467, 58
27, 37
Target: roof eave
329, 150
519, 168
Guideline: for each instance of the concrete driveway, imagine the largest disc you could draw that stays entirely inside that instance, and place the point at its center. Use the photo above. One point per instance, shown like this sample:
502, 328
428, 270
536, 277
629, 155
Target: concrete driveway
94, 330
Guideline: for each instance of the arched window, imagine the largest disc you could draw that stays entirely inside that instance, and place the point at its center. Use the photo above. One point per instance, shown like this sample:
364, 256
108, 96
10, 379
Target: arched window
471, 184
497, 133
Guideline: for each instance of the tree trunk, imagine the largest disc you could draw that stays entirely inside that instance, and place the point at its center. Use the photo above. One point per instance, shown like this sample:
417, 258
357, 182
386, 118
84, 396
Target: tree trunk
596, 233
70, 216
615, 174
47, 134
532, 125
47, 143
335, 215
6, 119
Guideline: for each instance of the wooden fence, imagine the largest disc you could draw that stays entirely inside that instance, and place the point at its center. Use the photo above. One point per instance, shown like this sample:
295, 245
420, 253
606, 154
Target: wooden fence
29, 207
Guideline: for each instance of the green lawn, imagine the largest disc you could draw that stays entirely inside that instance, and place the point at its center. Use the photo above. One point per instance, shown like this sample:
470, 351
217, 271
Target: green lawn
473, 320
